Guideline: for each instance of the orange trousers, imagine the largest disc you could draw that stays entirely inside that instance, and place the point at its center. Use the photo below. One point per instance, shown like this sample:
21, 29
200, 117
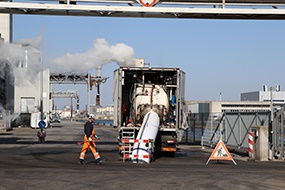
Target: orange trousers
89, 145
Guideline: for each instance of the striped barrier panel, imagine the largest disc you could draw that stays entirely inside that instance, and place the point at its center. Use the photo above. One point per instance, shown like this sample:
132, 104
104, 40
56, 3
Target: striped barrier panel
143, 151
135, 141
127, 148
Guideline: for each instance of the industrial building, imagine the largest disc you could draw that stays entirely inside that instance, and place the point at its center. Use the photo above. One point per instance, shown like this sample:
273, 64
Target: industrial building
271, 94
256, 101
28, 96
24, 86
102, 112
227, 106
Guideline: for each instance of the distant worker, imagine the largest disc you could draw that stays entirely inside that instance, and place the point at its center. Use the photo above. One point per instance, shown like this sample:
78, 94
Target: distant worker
89, 141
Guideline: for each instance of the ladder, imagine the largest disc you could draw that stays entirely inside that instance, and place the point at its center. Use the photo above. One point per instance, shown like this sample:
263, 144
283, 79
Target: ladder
127, 142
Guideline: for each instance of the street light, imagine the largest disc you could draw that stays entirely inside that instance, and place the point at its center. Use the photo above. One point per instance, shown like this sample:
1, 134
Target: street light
277, 89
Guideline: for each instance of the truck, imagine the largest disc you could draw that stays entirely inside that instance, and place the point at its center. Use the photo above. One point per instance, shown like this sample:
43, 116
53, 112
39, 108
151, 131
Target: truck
149, 106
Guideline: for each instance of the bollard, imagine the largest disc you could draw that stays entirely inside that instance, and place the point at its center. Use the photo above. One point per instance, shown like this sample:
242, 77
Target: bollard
250, 145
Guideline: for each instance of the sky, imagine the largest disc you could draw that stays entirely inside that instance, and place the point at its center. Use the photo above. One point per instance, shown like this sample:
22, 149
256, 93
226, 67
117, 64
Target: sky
221, 58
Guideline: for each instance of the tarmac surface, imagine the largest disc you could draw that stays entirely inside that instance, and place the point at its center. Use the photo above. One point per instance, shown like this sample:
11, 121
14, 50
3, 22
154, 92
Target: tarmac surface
27, 164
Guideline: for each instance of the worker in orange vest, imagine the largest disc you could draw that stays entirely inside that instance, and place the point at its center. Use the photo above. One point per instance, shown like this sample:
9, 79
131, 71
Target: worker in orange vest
89, 141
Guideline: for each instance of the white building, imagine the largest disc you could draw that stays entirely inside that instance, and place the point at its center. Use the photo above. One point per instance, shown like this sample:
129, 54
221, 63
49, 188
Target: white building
31, 87
227, 106
264, 96
257, 101
27, 95
103, 112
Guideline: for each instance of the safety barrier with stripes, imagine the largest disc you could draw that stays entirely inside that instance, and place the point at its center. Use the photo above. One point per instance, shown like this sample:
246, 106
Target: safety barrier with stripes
139, 150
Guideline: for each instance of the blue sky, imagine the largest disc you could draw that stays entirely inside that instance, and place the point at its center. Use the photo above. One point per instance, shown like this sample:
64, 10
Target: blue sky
218, 56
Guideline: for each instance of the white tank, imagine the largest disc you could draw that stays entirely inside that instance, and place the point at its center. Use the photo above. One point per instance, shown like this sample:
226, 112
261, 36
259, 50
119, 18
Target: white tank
149, 126
148, 95
148, 131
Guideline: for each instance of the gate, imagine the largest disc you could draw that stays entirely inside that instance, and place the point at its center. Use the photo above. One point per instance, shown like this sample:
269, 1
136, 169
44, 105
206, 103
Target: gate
234, 128
277, 140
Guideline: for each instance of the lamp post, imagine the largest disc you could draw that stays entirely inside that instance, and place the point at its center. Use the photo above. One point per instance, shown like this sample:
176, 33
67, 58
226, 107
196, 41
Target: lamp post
272, 126
42, 124
95, 81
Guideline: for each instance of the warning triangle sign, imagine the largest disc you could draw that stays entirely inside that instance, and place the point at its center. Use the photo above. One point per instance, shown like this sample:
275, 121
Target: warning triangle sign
221, 153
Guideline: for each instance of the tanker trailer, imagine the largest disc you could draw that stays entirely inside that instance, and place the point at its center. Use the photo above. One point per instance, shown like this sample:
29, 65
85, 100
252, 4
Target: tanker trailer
149, 109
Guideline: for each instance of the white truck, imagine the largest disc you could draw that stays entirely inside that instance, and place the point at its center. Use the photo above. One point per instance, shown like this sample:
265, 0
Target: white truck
149, 105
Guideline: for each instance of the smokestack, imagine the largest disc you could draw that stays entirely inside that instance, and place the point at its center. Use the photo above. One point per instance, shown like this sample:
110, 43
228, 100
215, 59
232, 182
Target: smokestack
97, 99
98, 78
98, 71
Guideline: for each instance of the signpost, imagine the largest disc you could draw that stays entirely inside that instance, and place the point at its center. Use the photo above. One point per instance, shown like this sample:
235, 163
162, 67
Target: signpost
42, 124
41, 133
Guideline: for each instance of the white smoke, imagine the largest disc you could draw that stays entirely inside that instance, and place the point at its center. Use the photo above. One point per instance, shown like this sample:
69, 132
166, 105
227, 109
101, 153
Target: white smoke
101, 53
23, 60
32, 42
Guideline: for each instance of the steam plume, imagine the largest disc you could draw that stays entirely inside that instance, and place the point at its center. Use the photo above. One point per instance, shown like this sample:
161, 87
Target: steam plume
23, 60
101, 53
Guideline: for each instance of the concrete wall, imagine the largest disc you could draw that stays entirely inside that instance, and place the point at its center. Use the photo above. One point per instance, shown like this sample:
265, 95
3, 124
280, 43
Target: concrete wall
216, 107
31, 90
261, 143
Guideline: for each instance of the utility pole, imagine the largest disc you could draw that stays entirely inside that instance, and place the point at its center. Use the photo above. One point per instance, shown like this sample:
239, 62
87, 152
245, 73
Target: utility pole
272, 126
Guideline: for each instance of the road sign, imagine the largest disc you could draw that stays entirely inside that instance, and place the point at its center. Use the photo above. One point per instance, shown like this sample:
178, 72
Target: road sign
42, 124
147, 3
221, 153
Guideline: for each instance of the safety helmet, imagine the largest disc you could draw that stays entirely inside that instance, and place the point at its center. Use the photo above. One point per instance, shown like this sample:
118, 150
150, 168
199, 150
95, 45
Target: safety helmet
91, 116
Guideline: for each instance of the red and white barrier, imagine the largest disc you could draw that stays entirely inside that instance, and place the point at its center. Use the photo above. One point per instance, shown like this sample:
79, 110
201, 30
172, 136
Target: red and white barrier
250, 145
143, 151
142, 154
135, 141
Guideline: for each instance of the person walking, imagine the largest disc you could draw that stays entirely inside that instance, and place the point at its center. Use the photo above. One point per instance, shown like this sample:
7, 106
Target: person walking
89, 142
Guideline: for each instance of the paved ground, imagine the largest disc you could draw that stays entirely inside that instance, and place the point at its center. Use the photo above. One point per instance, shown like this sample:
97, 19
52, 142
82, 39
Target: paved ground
26, 164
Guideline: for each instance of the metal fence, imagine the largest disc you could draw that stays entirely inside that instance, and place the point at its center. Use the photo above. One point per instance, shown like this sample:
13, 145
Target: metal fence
234, 127
201, 126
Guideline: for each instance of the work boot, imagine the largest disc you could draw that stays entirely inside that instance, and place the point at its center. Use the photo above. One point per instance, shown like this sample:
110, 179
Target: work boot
81, 161
98, 161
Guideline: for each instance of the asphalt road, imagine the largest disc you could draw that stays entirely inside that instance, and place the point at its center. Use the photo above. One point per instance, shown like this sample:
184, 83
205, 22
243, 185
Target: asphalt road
26, 164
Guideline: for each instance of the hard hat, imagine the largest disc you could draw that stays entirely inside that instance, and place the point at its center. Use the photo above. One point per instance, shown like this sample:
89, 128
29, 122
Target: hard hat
91, 116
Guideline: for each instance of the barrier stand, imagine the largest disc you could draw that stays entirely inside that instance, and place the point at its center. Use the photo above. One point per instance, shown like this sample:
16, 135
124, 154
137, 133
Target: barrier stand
143, 151
127, 148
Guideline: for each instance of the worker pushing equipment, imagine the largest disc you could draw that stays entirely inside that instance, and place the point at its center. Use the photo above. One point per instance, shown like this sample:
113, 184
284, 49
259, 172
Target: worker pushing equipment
89, 142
